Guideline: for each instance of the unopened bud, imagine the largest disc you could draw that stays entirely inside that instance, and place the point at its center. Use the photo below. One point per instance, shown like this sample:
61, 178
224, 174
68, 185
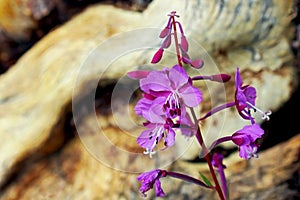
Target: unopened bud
164, 32
139, 74
184, 44
198, 63
167, 42
221, 78
157, 56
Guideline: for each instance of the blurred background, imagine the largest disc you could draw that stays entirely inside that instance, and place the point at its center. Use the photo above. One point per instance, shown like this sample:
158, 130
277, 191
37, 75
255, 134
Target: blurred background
23, 23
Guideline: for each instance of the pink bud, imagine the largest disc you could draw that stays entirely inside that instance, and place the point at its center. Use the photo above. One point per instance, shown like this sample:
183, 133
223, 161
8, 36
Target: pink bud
184, 44
138, 74
186, 59
157, 56
167, 42
221, 78
164, 32
198, 63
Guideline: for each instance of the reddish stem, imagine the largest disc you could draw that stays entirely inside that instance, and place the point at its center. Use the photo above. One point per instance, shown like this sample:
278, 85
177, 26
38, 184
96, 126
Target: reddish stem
176, 41
207, 158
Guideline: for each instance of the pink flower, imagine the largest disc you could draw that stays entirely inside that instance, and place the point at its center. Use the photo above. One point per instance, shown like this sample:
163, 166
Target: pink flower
158, 127
246, 138
245, 97
151, 178
175, 86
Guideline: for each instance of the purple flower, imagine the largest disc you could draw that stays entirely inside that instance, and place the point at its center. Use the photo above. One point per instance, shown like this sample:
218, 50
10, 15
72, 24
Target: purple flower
175, 86
245, 97
246, 138
148, 179
158, 127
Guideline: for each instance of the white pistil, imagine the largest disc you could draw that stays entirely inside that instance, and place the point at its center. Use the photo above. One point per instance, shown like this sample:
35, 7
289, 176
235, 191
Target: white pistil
150, 152
265, 115
252, 153
157, 131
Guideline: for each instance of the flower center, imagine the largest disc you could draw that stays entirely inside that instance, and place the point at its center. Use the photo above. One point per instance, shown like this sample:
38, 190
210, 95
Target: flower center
157, 133
172, 105
252, 152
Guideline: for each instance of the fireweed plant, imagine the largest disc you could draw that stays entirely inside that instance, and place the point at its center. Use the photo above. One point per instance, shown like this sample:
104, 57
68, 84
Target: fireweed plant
168, 102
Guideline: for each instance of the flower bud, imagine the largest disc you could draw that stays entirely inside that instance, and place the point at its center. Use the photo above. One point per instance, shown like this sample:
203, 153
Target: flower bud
221, 78
167, 42
157, 56
139, 74
164, 32
185, 59
184, 44
198, 63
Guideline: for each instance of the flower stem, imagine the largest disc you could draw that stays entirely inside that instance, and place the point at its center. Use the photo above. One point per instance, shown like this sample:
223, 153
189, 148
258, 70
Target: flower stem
188, 179
220, 140
207, 158
223, 180
176, 41
217, 109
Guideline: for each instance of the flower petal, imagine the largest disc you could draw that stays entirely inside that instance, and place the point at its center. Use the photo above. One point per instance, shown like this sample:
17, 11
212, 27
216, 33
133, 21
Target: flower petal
191, 96
148, 139
250, 94
238, 79
254, 131
155, 81
142, 107
178, 77
170, 138
158, 190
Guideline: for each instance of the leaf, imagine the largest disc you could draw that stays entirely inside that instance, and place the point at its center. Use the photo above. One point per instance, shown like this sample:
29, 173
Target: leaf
206, 180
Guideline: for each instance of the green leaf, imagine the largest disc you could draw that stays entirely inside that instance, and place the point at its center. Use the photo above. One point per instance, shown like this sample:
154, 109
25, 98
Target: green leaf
205, 180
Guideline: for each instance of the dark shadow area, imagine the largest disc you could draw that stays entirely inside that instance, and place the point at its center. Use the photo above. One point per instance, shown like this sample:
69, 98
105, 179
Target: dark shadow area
284, 124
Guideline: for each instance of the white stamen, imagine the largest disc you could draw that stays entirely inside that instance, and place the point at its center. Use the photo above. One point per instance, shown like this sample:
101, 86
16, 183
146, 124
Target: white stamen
265, 115
174, 97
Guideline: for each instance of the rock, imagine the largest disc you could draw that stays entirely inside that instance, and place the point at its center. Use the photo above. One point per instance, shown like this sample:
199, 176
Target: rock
19, 18
74, 173
67, 66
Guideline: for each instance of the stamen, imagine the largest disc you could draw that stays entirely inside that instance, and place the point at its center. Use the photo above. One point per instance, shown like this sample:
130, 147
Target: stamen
172, 102
265, 115
252, 153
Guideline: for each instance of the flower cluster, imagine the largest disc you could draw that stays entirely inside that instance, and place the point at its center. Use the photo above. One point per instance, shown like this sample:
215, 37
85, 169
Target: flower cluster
166, 96
167, 105
245, 138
